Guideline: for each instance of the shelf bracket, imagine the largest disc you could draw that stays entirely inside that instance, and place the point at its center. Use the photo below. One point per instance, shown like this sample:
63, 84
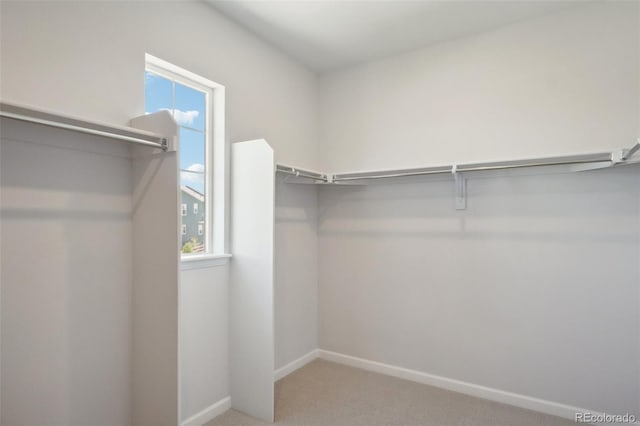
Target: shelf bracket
628, 153
461, 188
623, 155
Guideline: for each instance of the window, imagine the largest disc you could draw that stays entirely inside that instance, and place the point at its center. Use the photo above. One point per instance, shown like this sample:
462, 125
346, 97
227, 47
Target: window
197, 105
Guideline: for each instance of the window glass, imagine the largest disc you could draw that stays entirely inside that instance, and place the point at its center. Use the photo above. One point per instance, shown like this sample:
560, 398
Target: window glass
189, 107
158, 93
192, 159
190, 98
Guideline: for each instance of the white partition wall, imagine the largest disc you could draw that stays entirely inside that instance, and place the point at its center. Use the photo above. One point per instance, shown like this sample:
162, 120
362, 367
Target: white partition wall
251, 279
155, 279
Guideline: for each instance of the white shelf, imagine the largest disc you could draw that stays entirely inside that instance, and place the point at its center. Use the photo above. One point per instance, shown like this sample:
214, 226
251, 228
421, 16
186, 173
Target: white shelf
460, 172
77, 124
569, 163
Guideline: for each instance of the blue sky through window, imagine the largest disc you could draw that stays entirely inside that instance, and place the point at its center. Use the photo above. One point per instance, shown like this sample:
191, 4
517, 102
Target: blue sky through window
188, 108
191, 101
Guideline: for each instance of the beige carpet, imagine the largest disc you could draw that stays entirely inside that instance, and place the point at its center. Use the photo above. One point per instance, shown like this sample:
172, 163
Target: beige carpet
324, 393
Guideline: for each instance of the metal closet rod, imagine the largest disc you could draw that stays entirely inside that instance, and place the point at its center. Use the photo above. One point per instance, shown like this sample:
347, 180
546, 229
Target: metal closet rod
301, 173
476, 167
31, 115
612, 158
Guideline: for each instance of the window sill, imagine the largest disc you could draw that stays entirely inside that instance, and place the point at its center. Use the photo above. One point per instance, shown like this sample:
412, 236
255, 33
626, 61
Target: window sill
204, 261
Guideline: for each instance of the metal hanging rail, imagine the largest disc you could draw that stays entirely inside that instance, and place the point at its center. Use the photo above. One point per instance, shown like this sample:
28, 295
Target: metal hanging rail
582, 162
386, 174
293, 171
475, 167
460, 172
128, 134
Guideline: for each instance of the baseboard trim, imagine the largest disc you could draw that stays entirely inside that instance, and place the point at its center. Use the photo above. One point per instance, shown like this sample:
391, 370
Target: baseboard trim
296, 364
518, 400
208, 413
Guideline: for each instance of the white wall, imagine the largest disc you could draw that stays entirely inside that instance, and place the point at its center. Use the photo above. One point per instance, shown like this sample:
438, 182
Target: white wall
87, 59
204, 338
534, 289
296, 271
66, 278
562, 84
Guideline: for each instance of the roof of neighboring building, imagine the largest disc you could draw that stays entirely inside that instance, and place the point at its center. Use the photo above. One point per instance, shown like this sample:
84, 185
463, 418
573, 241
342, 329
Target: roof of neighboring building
195, 194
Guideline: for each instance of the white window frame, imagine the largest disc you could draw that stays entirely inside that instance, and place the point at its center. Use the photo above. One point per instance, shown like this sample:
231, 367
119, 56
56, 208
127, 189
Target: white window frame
195, 208
183, 229
216, 158
183, 209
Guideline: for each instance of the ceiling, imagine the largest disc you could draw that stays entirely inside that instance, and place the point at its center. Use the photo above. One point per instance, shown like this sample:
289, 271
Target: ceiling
332, 34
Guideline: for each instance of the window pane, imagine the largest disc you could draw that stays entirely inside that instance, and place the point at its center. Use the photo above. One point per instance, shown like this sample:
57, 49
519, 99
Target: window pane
190, 107
192, 158
192, 185
193, 222
157, 93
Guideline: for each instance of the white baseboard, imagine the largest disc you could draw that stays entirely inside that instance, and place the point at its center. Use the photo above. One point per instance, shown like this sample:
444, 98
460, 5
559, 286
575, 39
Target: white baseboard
208, 413
518, 400
294, 365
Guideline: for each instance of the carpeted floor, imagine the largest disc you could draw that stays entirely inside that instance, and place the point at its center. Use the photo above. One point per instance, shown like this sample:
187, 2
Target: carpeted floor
324, 393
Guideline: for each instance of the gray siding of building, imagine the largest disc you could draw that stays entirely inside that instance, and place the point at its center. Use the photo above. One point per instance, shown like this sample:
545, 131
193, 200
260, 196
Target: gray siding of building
195, 216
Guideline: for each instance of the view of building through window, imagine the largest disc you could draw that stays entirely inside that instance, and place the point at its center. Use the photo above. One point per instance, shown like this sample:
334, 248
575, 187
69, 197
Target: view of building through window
188, 105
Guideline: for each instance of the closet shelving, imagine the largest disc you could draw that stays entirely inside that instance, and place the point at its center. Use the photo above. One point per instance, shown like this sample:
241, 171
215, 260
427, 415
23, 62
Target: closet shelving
154, 230
575, 162
76, 124
298, 175
558, 164
252, 299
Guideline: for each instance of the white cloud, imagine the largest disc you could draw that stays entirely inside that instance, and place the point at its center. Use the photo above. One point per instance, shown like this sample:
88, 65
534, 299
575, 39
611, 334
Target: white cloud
184, 118
196, 167
197, 177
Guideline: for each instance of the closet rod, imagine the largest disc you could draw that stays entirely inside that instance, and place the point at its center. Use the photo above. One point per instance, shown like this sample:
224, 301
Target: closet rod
30, 115
474, 167
301, 173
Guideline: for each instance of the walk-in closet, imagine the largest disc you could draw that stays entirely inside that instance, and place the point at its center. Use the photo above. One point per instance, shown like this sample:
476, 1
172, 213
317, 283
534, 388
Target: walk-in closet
231, 213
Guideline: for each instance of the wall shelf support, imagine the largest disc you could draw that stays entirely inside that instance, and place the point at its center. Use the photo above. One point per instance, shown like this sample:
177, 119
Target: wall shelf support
461, 188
